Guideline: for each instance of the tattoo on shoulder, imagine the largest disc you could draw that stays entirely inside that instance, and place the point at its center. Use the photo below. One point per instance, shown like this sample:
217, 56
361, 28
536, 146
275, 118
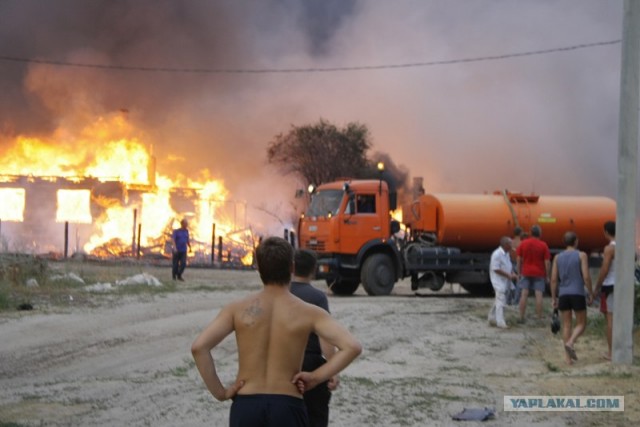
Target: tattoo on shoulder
252, 312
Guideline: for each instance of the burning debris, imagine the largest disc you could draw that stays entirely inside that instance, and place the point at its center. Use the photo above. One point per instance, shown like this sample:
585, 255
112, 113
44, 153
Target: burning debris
102, 187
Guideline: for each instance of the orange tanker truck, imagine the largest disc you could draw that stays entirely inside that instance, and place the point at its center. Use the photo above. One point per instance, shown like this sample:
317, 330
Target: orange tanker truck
447, 238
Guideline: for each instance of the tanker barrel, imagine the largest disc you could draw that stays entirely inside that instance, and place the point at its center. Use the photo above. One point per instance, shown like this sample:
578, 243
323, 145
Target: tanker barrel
476, 222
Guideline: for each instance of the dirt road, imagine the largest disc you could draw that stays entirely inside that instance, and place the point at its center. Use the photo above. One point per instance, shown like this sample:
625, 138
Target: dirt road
125, 361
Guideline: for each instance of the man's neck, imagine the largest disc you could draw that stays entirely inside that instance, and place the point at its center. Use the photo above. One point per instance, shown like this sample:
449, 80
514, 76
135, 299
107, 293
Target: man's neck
300, 279
276, 288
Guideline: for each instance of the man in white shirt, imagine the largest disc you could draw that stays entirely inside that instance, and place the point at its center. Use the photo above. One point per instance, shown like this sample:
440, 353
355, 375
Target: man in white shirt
501, 275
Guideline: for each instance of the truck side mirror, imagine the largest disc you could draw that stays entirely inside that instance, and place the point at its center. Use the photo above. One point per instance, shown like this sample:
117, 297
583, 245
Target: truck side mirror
351, 204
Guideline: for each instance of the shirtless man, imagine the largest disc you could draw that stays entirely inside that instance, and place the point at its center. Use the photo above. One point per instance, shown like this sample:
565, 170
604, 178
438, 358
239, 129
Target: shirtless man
272, 328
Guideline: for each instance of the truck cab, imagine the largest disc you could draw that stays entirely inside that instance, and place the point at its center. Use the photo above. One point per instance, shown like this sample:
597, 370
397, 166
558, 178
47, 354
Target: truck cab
348, 222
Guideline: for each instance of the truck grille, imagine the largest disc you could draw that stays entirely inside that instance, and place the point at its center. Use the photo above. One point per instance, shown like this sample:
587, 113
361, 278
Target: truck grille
316, 245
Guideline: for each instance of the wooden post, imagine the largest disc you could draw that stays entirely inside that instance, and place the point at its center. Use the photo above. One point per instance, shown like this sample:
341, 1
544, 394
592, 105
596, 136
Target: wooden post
255, 261
292, 238
213, 242
138, 245
286, 234
624, 263
66, 239
220, 249
133, 238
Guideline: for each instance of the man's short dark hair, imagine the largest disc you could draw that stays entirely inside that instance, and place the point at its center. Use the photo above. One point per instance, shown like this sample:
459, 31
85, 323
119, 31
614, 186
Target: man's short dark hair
536, 231
274, 257
570, 238
304, 263
610, 228
517, 231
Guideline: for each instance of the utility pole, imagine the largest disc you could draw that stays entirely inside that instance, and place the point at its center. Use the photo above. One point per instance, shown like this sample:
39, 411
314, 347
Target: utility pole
624, 260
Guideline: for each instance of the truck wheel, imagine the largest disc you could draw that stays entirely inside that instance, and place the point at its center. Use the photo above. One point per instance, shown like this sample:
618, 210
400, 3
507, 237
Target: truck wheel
343, 286
378, 275
478, 289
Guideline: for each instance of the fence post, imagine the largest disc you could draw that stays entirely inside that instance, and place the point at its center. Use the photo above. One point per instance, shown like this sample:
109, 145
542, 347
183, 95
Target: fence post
220, 249
139, 233
66, 239
133, 238
213, 242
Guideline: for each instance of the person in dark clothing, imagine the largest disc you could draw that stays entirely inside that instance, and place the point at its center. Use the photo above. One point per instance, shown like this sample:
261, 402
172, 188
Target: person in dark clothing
180, 240
317, 399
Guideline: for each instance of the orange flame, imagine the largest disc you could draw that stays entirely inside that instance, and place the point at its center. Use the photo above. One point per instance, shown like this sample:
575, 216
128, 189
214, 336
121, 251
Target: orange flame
110, 149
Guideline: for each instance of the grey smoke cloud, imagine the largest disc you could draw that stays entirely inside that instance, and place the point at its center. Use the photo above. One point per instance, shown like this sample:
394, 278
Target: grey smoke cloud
543, 123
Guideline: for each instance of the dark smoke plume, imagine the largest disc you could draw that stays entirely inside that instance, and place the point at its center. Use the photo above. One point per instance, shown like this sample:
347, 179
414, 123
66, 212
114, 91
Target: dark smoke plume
543, 123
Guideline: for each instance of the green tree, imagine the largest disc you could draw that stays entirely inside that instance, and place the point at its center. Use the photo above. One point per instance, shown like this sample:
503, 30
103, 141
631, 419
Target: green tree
322, 152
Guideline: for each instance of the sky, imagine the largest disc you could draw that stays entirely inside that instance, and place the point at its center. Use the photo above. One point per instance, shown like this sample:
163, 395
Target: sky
543, 123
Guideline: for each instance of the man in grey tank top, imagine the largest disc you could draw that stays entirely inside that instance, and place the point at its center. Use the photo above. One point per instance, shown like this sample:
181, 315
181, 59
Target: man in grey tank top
569, 276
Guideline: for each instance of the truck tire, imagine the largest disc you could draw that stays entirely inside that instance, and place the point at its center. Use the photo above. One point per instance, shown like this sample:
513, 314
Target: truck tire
478, 289
343, 287
378, 275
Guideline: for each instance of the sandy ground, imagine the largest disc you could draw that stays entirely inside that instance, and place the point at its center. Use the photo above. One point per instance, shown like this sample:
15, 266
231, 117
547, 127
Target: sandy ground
125, 361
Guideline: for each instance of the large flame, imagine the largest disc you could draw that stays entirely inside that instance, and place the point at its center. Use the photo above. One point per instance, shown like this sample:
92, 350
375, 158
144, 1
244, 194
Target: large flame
100, 150
110, 149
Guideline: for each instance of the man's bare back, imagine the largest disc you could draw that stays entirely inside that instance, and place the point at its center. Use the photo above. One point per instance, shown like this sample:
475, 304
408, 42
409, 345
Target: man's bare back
272, 328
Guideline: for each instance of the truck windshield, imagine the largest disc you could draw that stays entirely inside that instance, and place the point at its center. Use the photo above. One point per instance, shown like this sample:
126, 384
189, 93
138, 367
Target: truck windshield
325, 202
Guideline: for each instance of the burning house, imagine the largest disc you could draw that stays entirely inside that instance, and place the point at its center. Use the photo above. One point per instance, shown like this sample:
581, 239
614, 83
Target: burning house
109, 201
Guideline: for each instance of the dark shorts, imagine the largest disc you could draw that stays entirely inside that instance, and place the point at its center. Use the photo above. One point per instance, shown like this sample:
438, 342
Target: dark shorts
268, 410
606, 299
603, 303
532, 283
317, 399
572, 302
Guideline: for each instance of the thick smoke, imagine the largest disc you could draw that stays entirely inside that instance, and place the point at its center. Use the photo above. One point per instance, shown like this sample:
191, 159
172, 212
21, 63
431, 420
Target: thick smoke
544, 123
